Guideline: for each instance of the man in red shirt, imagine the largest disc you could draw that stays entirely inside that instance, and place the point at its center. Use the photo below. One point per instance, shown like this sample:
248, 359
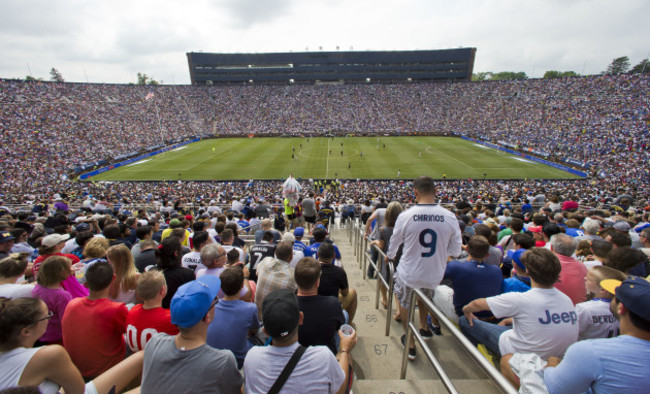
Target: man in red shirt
94, 326
572, 277
148, 319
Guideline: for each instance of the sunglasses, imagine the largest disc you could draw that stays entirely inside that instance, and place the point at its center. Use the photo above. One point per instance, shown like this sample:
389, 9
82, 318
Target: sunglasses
49, 315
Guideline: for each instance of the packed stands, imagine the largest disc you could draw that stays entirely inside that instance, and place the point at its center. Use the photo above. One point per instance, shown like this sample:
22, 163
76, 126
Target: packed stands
600, 122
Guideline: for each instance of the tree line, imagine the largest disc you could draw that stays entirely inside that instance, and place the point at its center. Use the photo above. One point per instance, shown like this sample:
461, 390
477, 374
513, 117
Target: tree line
620, 65
56, 76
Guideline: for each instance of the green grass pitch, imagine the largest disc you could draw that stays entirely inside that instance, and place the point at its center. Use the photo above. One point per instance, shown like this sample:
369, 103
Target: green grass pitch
341, 157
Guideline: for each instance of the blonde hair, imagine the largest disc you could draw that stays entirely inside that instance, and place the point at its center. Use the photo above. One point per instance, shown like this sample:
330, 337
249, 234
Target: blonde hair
150, 284
392, 212
126, 277
601, 272
54, 269
96, 248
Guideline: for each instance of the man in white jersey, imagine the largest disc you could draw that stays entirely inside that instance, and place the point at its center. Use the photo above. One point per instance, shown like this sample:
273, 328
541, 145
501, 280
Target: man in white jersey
430, 235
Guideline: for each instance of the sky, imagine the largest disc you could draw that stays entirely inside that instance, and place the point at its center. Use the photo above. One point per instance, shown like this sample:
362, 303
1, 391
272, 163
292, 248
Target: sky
112, 40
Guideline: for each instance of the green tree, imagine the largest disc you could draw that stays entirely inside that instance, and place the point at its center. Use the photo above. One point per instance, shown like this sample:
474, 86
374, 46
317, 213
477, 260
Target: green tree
559, 74
144, 79
507, 75
619, 65
29, 78
482, 76
552, 74
55, 75
642, 67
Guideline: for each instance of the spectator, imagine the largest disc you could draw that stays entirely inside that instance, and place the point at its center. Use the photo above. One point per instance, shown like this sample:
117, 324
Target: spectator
297, 254
275, 273
52, 246
94, 326
126, 276
326, 214
12, 269
594, 316
54, 270
334, 281
95, 249
258, 252
507, 242
146, 320
599, 251
320, 236
267, 225
544, 320
192, 260
572, 277
495, 255
168, 258
420, 266
627, 260
470, 280
173, 364
227, 240
317, 369
322, 315
298, 245
22, 322
235, 321
520, 281
147, 255
142, 233
213, 257
373, 224
20, 242
115, 235
601, 365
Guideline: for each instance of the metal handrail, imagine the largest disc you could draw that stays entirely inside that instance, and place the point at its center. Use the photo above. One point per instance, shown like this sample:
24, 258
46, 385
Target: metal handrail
487, 367
388, 285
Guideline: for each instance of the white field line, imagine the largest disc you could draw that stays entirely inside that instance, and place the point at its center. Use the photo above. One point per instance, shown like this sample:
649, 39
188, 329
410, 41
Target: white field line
139, 162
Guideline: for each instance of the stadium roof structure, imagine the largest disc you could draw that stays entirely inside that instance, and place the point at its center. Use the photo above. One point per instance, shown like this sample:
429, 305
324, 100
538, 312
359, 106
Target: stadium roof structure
340, 66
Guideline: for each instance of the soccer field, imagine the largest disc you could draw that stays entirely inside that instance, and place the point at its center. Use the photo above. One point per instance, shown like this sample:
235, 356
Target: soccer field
341, 157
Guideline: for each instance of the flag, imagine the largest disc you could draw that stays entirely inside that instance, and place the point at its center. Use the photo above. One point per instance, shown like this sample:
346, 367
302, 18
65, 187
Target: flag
149, 96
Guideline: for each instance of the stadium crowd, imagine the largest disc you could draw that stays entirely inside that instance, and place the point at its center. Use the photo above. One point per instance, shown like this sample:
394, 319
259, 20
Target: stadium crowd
188, 274
600, 121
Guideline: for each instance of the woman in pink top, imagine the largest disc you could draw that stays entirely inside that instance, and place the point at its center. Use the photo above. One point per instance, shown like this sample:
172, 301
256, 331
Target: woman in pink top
53, 271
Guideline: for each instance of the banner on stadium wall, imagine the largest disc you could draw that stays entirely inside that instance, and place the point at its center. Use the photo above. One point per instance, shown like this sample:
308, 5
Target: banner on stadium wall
577, 163
533, 158
133, 160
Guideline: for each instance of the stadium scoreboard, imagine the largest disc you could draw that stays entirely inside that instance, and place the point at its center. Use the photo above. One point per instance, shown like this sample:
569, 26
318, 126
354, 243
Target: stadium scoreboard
340, 66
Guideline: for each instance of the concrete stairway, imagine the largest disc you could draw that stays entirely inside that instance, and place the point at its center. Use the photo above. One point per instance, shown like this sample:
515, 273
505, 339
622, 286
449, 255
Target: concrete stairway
377, 358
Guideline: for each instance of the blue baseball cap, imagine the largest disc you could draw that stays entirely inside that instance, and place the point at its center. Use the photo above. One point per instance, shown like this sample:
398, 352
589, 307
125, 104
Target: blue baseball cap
516, 255
193, 300
633, 293
299, 232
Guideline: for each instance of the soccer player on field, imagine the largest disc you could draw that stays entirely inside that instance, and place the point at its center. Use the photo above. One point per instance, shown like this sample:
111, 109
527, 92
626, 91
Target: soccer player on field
430, 234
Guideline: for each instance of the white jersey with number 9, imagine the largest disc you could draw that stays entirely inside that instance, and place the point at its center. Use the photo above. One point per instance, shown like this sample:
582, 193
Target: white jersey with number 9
430, 233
